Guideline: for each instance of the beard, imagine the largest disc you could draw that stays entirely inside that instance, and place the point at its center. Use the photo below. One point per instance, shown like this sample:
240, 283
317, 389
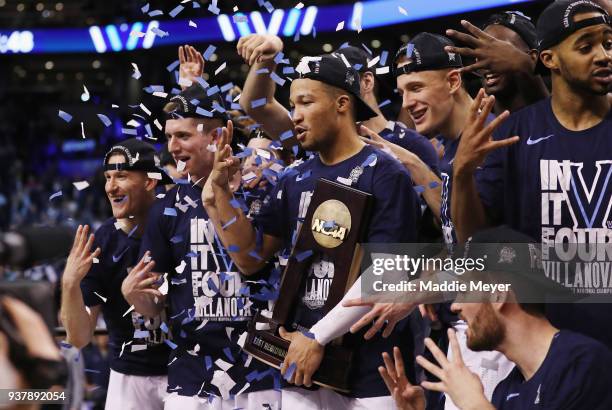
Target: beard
581, 85
485, 331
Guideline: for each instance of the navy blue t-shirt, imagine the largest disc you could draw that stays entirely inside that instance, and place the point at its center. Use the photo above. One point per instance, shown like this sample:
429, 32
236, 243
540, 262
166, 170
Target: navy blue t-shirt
209, 303
407, 138
136, 342
393, 220
575, 374
555, 185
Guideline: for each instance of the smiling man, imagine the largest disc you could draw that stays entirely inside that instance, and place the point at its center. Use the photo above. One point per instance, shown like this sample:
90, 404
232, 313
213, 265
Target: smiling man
326, 105
138, 354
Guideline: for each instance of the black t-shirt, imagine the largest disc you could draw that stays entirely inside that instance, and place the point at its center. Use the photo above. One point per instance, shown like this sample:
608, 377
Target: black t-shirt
575, 374
393, 220
136, 343
555, 185
209, 302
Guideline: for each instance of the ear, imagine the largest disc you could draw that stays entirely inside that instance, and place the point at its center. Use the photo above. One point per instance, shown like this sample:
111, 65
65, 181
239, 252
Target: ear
534, 55
151, 183
453, 77
343, 103
549, 59
367, 82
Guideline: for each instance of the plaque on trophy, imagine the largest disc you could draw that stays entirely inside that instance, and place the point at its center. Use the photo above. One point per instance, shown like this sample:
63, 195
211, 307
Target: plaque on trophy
335, 224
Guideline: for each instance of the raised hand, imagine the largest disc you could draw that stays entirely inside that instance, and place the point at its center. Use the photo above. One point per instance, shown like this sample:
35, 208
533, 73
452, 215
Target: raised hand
456, 380
81, 257
477, 138
257, 48
406, 396
491, 54
191, 65
225, 165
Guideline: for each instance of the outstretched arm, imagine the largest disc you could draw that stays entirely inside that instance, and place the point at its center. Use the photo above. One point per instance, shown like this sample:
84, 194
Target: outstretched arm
259, 51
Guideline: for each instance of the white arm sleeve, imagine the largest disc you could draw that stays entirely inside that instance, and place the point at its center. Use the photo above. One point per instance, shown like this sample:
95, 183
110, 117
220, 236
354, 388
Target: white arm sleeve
339, 320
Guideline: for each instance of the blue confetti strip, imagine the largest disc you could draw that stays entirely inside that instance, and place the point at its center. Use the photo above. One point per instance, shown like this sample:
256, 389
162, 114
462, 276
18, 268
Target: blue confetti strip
145, 8
235, 106
277, 79
202, 111
308, 335
171, 344
228, 354
227, 87
173, 66
129, 131
55, 195
279, 57
255, 255
132, 231
176, 239
409, 50
176, 11
65, 116
212, 286
262, 71
382, 104
419, 189
433, 184
170, 211
212, 90
369, 160
164, 327
258, 103
290, 371
156, 13
202, 82
235, 204
303, 176
228, 223
383, 58
209, 52
208, 362
218, 107
92, 371
233, 248
159, 33
288, 70
105, 120
302, 256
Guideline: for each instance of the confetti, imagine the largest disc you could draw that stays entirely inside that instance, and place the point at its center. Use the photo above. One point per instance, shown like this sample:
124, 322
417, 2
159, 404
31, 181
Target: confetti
159, 33
299, 6
303, 255
290, 370
65, 116
101, 297
402, 10
258, 103
228, 223
155, 175
277, 79
138, 34
179, 269
171, 344
180, 165
128, 311
173, 13
222, 364
220, 68
170, 211
171, 67
382, 70
155, 13
192, 24
136, 75
340, 26
145, 8
105, 120
209, 52
80, 185
85, 95
55, 195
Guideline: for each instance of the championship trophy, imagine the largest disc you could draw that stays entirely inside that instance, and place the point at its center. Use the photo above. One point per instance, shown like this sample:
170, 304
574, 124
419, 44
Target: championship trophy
335, 224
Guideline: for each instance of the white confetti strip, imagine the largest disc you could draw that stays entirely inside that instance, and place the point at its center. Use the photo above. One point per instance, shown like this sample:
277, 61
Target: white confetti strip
136, 75
340, 26
180, 165
80, 185
192, 24
179, 269
155, 175
220, 68
101, 297
382, 70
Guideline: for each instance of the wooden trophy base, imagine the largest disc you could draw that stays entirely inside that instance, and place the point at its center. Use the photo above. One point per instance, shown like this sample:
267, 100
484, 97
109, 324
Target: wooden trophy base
266, 346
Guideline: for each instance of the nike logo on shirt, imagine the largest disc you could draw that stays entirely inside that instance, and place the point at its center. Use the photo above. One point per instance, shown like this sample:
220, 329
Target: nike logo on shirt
532, 142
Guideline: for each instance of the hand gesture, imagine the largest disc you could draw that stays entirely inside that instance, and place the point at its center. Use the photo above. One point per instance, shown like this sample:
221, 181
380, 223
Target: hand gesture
191, 65
385, 314
491, 54
257, 48
81, 257
406, 396
225, 165
456, 380
141, 281
303, 357
476, 140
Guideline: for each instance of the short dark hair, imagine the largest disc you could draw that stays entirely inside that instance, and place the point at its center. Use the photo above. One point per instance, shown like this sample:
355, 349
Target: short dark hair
335, 92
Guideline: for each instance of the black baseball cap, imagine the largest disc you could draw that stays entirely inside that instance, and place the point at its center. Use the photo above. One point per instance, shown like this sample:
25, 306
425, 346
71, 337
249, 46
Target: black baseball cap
139, 156
334, 70
511, 256
358, 58
517, 22
556, 22
426, 52
197, 102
